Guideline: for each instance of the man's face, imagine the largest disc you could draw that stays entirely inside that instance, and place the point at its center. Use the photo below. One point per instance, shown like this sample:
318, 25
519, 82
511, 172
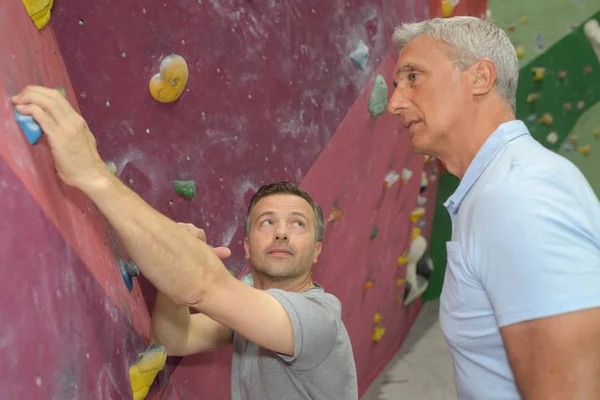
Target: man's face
281, 243
431, 94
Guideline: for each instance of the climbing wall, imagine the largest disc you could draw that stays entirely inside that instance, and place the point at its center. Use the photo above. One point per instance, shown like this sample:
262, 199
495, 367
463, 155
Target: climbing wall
558, 95
272, 94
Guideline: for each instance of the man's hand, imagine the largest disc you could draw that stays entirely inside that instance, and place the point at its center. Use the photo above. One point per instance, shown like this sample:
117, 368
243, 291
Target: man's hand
221, 252
72, 144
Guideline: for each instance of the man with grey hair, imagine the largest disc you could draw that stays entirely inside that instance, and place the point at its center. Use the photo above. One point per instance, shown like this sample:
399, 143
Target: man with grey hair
287, 333
520, 305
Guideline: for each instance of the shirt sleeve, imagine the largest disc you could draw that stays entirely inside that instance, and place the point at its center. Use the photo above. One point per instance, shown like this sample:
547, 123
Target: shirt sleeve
314, 324
538, 251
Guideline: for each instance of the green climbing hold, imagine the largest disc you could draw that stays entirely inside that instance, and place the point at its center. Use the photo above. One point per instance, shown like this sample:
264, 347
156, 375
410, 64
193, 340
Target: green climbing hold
379, 97
374, 232
185, 188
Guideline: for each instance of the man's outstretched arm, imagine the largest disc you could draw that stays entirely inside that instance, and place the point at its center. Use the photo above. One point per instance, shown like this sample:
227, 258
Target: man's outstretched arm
177, 264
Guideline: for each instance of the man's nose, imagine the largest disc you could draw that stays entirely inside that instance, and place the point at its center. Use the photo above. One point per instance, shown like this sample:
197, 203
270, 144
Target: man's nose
281, 232
398, 101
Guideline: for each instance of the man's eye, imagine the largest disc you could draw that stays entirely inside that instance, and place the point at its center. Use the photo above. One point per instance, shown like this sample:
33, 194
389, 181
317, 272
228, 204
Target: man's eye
299, 223
412, 76
266, 222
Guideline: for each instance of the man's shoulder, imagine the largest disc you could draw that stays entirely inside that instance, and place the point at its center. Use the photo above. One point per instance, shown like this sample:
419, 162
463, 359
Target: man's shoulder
316, 295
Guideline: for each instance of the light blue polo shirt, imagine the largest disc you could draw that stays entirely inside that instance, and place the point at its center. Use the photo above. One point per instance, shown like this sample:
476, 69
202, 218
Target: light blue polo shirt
525, 245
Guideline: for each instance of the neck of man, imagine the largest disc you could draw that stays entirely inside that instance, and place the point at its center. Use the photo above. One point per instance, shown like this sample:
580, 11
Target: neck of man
295, 284
467, 138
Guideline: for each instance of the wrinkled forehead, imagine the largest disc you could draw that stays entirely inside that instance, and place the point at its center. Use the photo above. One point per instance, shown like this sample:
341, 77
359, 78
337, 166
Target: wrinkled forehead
282, 205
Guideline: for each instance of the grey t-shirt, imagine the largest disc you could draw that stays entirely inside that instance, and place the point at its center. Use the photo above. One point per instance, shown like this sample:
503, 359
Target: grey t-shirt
322, 367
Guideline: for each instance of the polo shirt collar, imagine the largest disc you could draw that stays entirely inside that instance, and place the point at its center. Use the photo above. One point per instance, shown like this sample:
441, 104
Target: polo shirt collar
503, 134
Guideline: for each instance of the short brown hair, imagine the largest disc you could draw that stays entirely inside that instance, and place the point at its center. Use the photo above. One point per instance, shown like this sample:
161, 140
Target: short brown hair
287, 188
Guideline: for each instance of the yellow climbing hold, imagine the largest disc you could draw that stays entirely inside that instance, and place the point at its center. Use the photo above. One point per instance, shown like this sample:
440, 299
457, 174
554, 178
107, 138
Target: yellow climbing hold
545, 119
447, 8
596, 132
523, 19
400, 282
403, 259
574, 139
39, 11
416, 214
376, 318
532, 97
520, 51
538, 73
143, 372
169, 84
585, 150
416, 232
378, 333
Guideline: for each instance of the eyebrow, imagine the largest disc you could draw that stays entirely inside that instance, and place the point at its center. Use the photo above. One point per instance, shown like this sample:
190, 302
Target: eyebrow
409, 67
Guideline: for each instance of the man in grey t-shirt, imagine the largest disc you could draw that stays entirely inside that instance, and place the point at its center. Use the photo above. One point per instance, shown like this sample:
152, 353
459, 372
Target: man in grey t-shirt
308, 354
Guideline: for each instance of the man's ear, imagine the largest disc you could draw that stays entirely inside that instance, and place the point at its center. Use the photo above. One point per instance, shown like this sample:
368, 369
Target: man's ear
484, 76
318, 248
247, 248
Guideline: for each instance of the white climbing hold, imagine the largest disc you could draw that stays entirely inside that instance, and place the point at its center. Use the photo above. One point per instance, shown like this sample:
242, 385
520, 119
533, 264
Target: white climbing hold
360, 55
592, 32
552, 137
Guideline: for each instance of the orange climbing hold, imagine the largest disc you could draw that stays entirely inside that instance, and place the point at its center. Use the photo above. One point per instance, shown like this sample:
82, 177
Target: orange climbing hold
370, 283
334, 215
585, 149
169, 83
545, 119
532, 97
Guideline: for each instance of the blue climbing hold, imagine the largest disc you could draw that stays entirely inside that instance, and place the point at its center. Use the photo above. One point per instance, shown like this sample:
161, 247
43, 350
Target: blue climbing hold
360, 55
125, 273
30, 128
421, 224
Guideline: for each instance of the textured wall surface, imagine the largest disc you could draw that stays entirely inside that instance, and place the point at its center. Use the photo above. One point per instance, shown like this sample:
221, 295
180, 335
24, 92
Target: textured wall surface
272, 95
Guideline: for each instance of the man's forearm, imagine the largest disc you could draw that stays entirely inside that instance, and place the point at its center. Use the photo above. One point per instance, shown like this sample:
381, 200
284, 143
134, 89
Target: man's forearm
176, 263
170, 324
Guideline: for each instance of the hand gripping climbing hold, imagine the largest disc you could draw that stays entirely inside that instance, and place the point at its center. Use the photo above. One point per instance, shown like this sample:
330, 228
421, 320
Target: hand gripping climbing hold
128, 271
360, 55
144, 370
38, 11
30, 128
169, 84
379, 97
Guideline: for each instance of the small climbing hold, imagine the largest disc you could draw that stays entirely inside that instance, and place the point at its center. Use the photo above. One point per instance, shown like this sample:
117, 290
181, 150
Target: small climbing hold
403, 259
587, 69
426, 158
545, 119
406, 175
539, 41
424, 182
562, 74
421, 200
400, 282
511, 27
61, 91
128, 271
370, 283
377, 318
580, 105
538, 73
378, 333
334, 215
448, 7
552, 137
390, 178
596, 132
520, 50
585, 149
378, 99
567, 147
532, 97
170, 82
523, 19
360, 55
574, 139
374, 232
31, 129
421, 224
143, 371
112, 167
185, 188
39, 11
416, 233
568, 106
416, 214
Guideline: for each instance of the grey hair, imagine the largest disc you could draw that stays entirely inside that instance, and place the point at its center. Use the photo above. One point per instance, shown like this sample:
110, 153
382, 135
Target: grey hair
471, 39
